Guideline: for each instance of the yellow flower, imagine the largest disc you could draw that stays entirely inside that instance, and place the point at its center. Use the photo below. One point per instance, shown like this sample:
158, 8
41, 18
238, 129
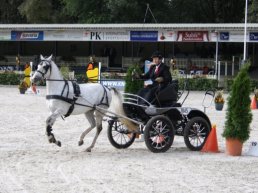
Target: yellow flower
219, 97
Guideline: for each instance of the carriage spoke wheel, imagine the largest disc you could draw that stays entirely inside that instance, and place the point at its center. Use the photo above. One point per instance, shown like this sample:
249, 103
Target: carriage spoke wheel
196, 132
119, 136
159, 134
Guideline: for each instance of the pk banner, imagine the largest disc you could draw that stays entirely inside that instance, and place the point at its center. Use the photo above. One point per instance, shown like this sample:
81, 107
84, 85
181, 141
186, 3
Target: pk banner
120, 35
253, 36
147, 36
27, 35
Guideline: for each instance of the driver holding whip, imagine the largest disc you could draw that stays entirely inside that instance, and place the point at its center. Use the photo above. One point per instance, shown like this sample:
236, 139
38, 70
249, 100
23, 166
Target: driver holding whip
160, 76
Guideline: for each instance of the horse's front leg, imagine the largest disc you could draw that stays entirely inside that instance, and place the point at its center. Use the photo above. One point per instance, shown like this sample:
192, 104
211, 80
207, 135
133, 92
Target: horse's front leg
49, 123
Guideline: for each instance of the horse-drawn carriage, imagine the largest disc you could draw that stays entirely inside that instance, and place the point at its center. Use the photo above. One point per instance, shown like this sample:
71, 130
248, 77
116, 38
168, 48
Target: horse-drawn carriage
159, 121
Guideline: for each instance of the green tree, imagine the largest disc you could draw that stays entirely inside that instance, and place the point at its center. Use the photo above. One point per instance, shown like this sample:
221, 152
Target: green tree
125, 11
117, 11
90, 11
135, 11
9, 12
253, 12
206, 11
44, 11
36, 11
239, 115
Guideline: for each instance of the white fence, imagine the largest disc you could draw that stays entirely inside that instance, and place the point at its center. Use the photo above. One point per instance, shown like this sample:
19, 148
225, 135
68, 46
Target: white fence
183, 63
128, 61
223, 68
78, 61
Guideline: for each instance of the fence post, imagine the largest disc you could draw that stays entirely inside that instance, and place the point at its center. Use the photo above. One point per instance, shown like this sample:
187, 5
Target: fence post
233, 66
219, 70
226, 68
99, 75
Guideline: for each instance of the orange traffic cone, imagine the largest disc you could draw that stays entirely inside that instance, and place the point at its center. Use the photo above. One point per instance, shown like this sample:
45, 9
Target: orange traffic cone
253, 103
211, 144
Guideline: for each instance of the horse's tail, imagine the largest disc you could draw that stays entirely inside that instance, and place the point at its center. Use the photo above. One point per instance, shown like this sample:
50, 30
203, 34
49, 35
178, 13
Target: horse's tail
116, 106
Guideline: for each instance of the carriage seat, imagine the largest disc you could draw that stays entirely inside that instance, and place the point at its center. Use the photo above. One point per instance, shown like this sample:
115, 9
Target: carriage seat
169, 95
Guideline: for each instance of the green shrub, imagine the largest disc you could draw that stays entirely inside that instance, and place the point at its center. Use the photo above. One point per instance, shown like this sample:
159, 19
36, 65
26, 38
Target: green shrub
239, 116
198, 84
229, 82
65, 71
10, 78
81, 78
133, 86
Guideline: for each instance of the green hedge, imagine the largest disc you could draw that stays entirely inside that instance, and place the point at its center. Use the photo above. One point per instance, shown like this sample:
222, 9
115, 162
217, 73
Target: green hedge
81, 78
229, 82
198, 84
10, 78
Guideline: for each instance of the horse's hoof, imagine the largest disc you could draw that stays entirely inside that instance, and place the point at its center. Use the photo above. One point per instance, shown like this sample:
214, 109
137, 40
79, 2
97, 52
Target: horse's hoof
58, 143
80, 143
52, 140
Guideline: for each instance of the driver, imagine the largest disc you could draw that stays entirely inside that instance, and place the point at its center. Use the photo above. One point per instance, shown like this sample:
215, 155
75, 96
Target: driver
159, 74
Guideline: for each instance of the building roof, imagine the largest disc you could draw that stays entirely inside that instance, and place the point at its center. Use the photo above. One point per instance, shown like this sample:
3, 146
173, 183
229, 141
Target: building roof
184, 26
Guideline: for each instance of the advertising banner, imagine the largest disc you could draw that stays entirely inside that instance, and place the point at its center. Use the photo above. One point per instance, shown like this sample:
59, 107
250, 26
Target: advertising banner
167, 36
193, 36
253, 36
27, 35
146, 69
224, 36
61, 35
237, 36
118, 84
120, 35
147, 36
5, 35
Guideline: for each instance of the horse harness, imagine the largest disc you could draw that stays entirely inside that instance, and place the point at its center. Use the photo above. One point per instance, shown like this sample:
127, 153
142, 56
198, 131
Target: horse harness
77, 92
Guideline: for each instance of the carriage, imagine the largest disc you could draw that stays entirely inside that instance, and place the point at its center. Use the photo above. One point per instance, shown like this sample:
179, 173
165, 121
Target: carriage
160, 120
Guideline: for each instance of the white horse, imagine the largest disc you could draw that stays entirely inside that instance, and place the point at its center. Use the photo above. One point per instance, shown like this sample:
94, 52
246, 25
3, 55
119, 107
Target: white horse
66, 98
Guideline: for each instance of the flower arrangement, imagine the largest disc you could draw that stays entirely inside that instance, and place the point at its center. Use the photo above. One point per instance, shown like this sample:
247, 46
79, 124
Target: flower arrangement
23, 85
219, 97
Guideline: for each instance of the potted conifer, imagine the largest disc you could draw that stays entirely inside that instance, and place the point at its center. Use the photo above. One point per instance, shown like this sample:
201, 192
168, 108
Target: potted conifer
238, 115
133, 85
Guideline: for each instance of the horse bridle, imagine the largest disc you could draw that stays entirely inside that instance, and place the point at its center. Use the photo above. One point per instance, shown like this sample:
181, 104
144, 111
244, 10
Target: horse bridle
48, 66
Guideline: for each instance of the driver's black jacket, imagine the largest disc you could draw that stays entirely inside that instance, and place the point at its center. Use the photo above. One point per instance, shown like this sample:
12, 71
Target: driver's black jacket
162, 72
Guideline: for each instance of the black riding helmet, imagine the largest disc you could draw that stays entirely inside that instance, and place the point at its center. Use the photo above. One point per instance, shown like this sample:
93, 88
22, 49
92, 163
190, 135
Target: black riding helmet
157, 54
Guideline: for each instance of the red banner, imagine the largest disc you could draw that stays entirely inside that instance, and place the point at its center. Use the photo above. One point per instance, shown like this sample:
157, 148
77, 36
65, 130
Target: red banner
193, 36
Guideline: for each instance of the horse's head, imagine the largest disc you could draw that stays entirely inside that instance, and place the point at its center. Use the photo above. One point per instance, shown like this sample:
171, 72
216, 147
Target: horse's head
44, 69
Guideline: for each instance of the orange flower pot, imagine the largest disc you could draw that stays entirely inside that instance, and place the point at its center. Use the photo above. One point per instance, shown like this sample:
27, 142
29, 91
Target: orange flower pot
233, 147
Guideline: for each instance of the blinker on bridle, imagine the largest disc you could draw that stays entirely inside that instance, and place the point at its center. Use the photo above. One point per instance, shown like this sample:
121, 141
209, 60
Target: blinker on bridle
45, 68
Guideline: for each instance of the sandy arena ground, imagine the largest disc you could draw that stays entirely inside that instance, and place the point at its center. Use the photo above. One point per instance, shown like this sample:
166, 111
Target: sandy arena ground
28, 163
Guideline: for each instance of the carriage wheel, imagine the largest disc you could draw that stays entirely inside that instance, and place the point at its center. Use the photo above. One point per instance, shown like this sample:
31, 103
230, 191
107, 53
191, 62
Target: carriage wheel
159, 134
119, 136
196, 132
